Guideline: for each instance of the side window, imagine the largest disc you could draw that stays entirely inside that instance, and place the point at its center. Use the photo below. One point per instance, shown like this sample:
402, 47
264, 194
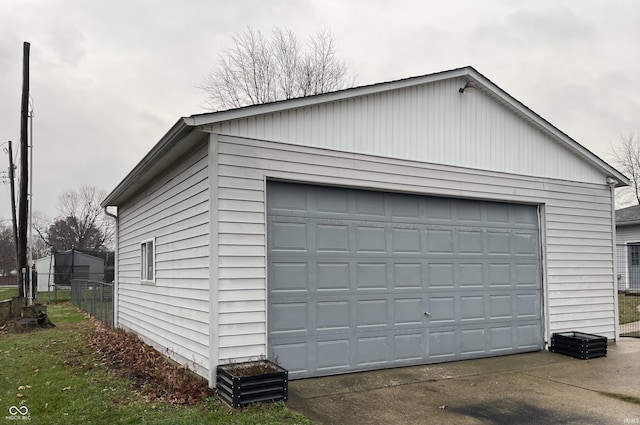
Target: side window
147, 261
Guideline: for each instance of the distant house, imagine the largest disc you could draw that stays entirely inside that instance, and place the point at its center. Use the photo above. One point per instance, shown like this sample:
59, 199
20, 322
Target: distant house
628, 247
61, 268
422, 220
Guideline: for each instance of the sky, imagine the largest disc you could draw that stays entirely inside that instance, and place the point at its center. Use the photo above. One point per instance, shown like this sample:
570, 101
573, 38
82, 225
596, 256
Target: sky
109, 78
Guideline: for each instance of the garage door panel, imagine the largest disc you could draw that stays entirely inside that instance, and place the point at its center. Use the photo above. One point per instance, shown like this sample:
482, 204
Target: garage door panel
289, 236
408, 312
409, 347
526, 244
331, 201
405, 207
333, 355
332, 316
289, 318
439, 241
442, 310
528, 336
332, 237
368, 205
373, 350
407, 276
333, 277
443, 344
406, 241
372, 314
440, 275
371, 276
501, 338
295, 355
498, 243
469, 242
370, 239
473, 341
289, 277
363, 280
527, 275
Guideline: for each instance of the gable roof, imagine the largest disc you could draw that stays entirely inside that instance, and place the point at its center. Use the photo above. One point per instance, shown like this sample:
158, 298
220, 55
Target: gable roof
628, 216
184, 135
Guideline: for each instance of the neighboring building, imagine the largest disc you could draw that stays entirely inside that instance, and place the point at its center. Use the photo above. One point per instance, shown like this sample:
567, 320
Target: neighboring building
628, 248
400, 223
61, 268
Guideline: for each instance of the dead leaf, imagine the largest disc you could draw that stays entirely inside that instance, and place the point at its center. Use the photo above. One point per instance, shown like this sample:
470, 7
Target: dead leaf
47, 383
19, 395
442, 407
66, 388
21, 387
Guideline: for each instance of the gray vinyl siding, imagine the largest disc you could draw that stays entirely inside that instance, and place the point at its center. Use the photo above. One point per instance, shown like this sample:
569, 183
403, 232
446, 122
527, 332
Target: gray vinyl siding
173, 313
577, 245
428, 123
625, 235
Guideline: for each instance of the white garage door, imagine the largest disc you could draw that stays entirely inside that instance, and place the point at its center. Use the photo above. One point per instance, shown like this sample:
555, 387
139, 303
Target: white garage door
362, 280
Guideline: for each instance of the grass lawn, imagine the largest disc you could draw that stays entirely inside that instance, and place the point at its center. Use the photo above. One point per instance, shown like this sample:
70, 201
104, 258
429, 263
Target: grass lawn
7, 292
627, 308
55, 374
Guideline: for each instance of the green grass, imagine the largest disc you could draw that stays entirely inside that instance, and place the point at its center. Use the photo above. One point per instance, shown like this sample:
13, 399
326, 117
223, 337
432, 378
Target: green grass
57, 376
627, 308
8, 292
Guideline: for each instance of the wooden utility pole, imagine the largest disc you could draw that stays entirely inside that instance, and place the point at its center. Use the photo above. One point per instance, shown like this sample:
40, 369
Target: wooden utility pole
23, 266
12, 184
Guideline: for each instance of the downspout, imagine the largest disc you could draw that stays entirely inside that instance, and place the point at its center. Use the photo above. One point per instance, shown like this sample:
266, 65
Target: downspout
612, 183
115, 270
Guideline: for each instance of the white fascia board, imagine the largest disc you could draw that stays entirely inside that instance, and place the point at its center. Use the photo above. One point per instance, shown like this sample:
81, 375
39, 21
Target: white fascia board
131, 182
267, 108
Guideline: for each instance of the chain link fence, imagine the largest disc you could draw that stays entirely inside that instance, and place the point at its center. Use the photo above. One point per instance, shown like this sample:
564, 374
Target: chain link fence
95, 298
628, 266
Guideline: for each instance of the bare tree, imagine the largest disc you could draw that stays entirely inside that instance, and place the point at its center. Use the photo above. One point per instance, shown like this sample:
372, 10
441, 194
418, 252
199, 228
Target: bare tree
256, 70
626, 156
8, 260
81, 224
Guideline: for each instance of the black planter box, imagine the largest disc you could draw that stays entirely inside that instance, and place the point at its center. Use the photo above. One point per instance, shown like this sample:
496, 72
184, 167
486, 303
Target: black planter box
579, 345
236, 386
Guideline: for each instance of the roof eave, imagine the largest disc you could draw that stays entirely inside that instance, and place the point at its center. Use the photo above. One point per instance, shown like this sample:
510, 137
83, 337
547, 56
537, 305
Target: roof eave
627, 223
232, 114
177, 132
566, 140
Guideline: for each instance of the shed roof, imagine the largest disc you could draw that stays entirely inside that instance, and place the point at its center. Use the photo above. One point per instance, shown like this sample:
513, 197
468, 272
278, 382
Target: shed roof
628, 216
184, 134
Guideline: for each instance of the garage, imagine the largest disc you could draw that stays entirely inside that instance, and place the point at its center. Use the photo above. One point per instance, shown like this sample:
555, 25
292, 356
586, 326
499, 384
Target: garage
400, 223
361, 279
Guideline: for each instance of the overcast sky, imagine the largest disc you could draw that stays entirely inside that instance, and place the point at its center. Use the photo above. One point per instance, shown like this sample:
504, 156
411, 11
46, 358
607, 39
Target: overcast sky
109, 78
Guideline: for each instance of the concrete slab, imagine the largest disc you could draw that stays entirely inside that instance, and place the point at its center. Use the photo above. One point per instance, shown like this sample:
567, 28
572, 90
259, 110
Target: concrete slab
534, 388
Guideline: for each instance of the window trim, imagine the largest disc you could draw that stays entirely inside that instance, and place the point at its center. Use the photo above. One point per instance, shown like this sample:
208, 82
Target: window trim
143, 261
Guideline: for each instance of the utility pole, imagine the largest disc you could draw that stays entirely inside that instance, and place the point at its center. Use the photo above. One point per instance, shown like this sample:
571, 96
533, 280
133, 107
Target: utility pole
33, 287
23, 266
13, 206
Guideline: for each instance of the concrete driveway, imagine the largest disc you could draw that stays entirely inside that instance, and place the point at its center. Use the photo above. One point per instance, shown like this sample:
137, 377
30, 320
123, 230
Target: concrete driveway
534, 388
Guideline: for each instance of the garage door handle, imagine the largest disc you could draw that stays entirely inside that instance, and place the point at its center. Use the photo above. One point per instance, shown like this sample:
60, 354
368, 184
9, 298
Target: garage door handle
426, 313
